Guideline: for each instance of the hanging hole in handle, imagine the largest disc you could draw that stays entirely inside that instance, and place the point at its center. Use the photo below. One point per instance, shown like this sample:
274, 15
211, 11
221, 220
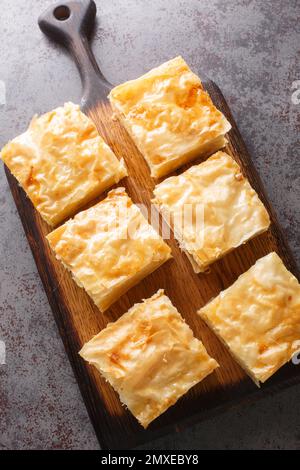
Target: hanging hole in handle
62, 13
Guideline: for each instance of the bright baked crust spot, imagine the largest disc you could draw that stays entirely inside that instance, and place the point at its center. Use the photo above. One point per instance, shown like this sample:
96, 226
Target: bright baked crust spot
109, 248
230, 209
62, 162
150, 357
258, 317
169, 116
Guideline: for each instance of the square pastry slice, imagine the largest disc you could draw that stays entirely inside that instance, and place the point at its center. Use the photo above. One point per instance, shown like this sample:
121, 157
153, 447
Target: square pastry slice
109, 248
212, 208
258, 317
170, 117
150, 357
62, 162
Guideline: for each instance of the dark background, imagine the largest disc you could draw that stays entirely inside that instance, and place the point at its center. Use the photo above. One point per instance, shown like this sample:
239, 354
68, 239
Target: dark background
251, 49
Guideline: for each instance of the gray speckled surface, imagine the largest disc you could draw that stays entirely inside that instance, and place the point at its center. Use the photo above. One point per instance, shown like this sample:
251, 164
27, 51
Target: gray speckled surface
251, 49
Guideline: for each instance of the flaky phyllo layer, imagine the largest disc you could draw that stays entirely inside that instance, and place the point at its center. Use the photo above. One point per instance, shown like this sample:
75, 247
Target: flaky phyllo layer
170, 117
109, 247
258, 317
150, 357
229, 210
62, 163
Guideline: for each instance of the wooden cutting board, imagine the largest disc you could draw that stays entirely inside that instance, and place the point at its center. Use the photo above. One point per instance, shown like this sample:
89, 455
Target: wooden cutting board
77, 317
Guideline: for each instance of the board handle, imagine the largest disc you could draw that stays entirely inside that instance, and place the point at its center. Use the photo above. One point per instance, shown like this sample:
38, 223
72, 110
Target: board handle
71, 23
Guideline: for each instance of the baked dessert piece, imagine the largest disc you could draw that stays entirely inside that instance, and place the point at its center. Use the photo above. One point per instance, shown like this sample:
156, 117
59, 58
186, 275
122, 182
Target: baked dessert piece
170, 117
109, 248
258, 317
212, 208
150, 357
62, 162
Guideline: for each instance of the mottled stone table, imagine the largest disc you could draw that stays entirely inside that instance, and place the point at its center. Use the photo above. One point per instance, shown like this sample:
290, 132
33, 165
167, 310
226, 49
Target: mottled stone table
251, 49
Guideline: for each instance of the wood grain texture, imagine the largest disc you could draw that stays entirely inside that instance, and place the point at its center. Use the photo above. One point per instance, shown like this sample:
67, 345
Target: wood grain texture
78, 319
